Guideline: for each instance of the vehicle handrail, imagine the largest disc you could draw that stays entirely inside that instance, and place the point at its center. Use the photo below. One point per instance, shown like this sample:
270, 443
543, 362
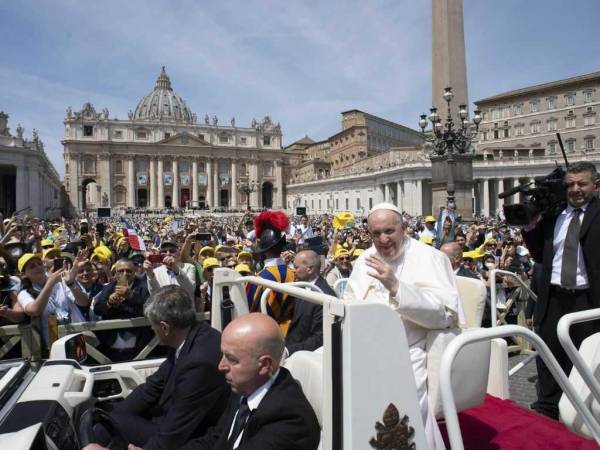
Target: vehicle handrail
287, 288
482, 334
28, 334
304, 284
564, 324
494, 300
341, 282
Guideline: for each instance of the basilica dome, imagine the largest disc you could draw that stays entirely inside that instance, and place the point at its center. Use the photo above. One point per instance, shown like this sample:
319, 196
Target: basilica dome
163, 104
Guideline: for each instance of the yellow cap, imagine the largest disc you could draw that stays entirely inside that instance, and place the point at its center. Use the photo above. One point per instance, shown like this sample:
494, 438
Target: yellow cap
218, 247
24, 259
207, 249
429, 219
244, 254
341, 252
490, 241
210, 262
426, 240
341, 219
102, 252
242, 268
46, 242
50, 252
479, 252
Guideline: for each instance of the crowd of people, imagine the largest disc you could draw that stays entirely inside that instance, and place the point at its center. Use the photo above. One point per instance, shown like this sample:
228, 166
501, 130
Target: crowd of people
89, 270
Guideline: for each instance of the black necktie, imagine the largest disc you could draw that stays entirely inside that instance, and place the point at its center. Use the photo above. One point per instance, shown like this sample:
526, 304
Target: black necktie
240, 421
568, 273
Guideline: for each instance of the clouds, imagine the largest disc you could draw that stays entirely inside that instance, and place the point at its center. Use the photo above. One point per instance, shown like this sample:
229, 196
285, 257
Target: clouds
301, 62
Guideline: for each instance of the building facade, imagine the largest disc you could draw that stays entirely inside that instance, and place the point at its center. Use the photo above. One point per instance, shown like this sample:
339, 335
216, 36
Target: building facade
517, 142
29, 182
161, 157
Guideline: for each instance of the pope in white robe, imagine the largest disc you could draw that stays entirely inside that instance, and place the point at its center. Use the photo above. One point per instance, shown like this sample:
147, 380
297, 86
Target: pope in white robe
417, 281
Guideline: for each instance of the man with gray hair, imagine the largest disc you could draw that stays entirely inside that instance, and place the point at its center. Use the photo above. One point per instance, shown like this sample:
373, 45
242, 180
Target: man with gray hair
417, 282
187, 394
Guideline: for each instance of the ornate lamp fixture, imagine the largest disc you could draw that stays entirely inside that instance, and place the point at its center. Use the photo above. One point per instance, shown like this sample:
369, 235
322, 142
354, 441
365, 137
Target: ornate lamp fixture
448, 139
247, 187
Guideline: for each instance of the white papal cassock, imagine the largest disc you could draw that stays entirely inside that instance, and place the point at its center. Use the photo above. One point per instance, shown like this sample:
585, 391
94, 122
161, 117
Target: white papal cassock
427, 299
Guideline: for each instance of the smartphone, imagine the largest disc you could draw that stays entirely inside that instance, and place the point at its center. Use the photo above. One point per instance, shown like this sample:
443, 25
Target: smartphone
206, 237
58, 263
100, 228
84, 228
156, 258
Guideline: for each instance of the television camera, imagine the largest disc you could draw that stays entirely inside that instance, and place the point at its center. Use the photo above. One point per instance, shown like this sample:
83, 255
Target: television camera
545, 195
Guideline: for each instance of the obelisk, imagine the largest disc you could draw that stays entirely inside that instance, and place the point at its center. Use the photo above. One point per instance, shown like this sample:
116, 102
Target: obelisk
449, 69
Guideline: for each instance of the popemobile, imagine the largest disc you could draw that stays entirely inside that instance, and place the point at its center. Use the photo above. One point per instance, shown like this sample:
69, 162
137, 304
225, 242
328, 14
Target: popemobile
360, 383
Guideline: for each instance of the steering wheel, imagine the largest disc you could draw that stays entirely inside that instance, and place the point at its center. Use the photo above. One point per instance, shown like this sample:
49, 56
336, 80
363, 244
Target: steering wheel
94, 417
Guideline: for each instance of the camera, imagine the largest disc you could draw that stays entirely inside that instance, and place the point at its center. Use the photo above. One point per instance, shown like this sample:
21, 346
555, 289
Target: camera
548, 196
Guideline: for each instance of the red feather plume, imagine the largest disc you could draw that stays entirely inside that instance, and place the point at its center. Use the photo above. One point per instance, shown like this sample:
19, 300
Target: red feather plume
275, 220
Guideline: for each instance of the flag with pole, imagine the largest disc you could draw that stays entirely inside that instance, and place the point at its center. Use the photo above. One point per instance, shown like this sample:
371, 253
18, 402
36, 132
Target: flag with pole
135, 242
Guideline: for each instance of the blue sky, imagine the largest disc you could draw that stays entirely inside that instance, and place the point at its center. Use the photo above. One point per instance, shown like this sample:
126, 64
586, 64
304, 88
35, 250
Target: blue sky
301, 62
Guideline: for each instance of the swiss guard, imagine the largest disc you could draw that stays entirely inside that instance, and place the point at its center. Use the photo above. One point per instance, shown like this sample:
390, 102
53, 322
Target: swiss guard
270, 229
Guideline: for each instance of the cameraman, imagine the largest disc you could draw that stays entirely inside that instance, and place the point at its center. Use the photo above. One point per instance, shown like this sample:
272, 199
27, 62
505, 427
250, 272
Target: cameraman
566, 245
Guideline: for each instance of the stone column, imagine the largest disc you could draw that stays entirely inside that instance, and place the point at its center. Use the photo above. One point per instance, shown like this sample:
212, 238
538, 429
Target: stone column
234, 190
209, 183
152, 183
279, 203
130, 182
175, 194
195, 182
160, 186
387, 193
501, 187
399, 195
380, 193
486, 198
254, 177
216, 187
419, 196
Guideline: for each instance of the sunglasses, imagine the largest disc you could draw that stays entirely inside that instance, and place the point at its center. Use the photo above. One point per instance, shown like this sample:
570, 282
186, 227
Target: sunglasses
170, 251
344, 258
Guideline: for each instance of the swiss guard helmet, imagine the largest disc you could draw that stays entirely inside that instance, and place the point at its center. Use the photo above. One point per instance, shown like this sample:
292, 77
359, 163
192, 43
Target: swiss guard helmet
270, 229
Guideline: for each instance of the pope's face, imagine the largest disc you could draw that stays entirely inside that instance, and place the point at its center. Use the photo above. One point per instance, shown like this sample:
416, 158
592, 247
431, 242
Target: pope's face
580, 188
387, 232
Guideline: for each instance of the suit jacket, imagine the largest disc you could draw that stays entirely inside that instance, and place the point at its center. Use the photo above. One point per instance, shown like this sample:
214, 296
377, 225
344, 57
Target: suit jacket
306, 329
131, 307
284, 420
540, 244
185, 396
186, 278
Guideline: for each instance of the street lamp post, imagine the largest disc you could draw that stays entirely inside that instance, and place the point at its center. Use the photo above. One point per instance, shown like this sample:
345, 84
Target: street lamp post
247, 187
449, 139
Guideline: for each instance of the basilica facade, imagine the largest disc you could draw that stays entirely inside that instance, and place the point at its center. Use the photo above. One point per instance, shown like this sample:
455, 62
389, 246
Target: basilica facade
161, 156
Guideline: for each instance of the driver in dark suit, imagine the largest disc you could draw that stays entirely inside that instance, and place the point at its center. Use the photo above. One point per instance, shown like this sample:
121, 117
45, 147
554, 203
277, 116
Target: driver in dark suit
267, 409
187, 394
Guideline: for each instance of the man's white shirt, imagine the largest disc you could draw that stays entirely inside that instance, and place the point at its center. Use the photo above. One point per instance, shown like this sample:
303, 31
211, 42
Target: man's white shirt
560, 233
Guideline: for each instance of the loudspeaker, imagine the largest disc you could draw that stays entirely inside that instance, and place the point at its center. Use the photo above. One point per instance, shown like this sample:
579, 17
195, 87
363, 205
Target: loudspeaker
301, 210
103, 212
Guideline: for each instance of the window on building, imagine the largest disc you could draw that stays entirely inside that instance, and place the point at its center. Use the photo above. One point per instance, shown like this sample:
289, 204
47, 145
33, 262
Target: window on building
495, 114
589, 143
244, 170
266, 140
589, 119
517, 109
588, 96
119, 166
88, 165
535, 127
551, 125
570, 122
347, 204
552, 147
141, 134
484, 135
506, 130
551, 102
569, 99
496, 131
519, 129
243, 140
535, 106
167, 135
268, 169
118, 134
88, 130
505, 112
571, 145
223, 139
